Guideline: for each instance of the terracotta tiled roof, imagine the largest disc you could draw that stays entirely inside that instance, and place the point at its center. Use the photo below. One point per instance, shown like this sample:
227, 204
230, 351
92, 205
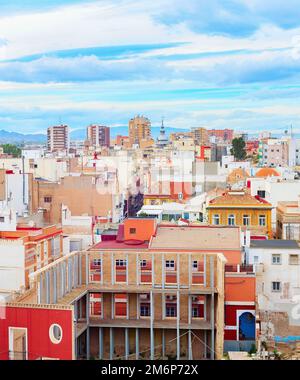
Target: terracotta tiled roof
267, 172
238, 198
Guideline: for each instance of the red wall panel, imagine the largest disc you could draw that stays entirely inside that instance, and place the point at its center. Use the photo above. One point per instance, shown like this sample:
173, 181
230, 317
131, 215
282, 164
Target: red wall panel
230, 313
38, 322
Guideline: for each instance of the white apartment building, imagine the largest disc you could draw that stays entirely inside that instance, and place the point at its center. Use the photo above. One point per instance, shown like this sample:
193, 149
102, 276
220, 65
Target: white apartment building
274, 190
15, 188
277, 267
78, 230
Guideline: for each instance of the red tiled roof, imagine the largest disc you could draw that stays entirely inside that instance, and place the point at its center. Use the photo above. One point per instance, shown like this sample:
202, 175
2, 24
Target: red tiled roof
267, 172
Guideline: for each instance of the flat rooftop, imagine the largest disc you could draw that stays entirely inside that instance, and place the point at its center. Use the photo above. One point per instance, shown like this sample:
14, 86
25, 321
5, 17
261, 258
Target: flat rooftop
196, 238
114, 244
286, 244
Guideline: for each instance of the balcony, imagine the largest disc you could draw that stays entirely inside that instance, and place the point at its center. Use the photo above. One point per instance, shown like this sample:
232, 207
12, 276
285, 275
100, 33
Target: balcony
246, 269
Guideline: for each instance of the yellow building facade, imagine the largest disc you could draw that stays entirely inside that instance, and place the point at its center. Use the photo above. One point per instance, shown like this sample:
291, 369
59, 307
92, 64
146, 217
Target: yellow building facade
239, 208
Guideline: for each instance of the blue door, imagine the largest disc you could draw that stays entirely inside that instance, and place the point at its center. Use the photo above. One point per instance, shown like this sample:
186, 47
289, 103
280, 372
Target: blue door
247, 326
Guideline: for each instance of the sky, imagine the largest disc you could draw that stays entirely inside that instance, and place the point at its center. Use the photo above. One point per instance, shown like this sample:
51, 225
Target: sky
217, 63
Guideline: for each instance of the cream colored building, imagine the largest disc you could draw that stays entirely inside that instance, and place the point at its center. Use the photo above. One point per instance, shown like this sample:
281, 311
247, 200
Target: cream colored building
139, 129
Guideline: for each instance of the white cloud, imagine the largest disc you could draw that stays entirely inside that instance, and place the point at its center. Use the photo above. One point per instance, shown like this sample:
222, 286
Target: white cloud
103, 23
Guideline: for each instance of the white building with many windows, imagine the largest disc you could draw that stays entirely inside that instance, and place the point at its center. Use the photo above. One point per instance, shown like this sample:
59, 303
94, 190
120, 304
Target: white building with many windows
277, 265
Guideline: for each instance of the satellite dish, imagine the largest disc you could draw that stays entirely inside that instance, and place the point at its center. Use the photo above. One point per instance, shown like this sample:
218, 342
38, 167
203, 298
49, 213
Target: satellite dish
31, 224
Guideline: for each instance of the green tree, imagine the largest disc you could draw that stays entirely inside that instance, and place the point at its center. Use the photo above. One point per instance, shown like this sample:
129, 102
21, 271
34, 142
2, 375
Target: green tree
11, 149
238, 149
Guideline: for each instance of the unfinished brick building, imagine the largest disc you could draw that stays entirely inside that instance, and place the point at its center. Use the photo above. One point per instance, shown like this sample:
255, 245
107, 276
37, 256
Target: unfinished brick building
144, 293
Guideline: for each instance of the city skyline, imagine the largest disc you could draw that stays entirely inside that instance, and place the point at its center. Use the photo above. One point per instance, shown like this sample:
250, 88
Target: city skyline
237, 67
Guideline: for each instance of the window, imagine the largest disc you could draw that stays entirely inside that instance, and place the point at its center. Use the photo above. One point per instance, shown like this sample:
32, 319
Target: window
246, 220
55, 334
171, 311
47, 199
170, 264
195, 265
255, 259
262, 220
195, 312
2, 219
97, 262
294, 259
261, 193
231, 220
276, 259
276, 286
132, 231
145, 310
121, 263
216, 219
143, 263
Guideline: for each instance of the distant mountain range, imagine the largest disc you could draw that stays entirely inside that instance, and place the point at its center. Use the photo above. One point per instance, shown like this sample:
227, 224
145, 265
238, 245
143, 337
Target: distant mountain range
76, 135
19, 138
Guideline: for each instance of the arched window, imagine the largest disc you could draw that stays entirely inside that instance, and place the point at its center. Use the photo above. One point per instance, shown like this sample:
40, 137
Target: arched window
231, 220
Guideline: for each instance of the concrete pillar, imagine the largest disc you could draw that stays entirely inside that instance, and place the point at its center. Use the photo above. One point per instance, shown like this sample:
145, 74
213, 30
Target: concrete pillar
127, 264
62, 274
88, 349
54, 285
205, 344
40, 288
111, 342
151, 326
137, 306
212, 316
71, 272
112, 306
205, 272
80, 269
163, 267
153, 270
101, 343
126, 344
87, 264
178, 325
112, 269
80, 308
190, 309
87, 308
178, 270
69, 275
190, 271
76, 311
75, 271
163, 343
138, 264
190, 356
47, 287
137, 344
76, 346
101, 271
